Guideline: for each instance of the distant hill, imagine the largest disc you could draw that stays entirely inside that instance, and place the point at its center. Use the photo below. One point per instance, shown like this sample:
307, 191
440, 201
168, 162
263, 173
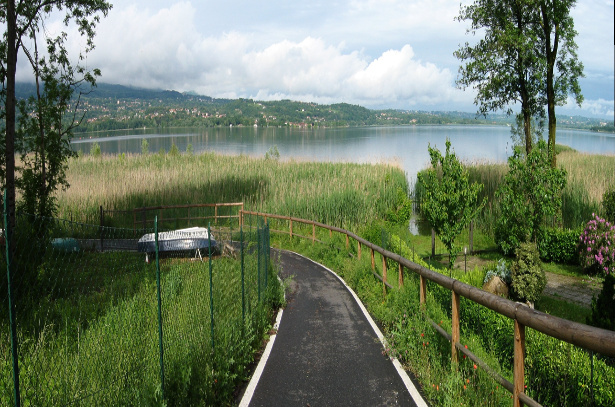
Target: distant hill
111, 107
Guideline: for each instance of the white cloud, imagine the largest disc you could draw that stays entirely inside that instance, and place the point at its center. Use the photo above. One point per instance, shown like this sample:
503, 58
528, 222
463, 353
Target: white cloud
378, 53
166, 50
596, 107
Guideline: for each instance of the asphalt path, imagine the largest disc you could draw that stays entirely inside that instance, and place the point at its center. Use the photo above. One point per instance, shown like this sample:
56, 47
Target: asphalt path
325, 352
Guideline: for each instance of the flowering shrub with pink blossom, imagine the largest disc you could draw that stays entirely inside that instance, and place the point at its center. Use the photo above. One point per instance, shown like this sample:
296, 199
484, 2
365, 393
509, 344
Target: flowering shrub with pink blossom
597, 246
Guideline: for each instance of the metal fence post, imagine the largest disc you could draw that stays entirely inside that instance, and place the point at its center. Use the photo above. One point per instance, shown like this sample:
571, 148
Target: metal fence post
159, 309
243, 295
266, 252
102, 249
8, 234
258, 257
211, 291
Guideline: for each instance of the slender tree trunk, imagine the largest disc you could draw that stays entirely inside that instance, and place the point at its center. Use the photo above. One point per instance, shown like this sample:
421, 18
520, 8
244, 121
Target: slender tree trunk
552, 119
11, 68
42, 200
551, 54
527, 129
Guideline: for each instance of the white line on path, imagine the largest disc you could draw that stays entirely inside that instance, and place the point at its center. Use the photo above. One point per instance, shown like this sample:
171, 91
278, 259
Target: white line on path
247, 395
414, 393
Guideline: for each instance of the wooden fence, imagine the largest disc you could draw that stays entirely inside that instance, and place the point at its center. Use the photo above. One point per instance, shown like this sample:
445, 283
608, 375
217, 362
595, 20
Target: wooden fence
584, 336
140, 220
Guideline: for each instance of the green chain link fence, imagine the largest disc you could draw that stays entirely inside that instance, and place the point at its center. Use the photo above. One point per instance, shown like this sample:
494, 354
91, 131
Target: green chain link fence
86, 320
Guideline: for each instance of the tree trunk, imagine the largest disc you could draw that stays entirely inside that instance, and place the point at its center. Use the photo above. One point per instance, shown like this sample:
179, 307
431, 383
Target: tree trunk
551, 53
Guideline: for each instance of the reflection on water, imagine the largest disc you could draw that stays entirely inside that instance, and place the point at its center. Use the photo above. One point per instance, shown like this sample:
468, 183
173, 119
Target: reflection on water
401, 145
419, 226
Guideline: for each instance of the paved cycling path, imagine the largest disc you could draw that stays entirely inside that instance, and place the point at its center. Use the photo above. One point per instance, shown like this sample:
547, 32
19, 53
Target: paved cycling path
326, 352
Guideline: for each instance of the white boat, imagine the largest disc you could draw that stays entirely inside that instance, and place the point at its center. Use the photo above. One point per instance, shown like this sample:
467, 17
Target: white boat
195, 238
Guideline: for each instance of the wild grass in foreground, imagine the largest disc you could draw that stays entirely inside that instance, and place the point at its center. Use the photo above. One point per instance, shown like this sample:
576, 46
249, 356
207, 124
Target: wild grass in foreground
88, 333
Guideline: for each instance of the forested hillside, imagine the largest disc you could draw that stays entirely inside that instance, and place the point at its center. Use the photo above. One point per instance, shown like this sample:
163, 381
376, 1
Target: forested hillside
113, 107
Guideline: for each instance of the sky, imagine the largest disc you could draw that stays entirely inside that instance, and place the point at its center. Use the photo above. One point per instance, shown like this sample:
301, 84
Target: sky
375, 53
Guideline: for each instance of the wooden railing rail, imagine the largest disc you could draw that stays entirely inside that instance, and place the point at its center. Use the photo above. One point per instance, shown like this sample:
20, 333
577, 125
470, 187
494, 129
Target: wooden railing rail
140, 220
588, 337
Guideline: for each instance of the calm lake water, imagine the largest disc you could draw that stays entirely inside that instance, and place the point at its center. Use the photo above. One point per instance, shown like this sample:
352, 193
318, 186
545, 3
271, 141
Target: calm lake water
407, 145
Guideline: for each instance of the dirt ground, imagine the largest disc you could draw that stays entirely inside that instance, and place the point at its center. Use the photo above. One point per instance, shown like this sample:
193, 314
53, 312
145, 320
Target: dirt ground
579, 290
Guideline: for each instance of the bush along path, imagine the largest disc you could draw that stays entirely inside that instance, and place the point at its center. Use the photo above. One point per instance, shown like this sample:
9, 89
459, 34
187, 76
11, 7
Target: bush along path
326, 351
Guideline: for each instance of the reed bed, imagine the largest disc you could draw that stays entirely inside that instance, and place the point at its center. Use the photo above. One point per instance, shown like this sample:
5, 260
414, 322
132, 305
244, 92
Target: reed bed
588, 177
334, 193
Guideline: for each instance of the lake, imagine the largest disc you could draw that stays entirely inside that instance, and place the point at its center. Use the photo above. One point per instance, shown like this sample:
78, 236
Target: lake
405, 145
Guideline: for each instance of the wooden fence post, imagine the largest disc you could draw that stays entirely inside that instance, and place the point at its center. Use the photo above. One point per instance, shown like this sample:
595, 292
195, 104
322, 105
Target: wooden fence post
313, 232
400, 283
347, 243
455, 327
359, 249
373, 262
291, 227
422, 290
519, 363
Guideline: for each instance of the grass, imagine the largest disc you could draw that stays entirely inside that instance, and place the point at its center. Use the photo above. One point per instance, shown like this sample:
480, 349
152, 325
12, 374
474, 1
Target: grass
556, 373
88, 328
563, 309
334, 193
88, 321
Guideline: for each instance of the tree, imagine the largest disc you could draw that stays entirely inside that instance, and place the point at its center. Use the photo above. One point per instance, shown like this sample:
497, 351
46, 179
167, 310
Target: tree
505, 66
45, 125
563, 68
47, 130
530, 194
450, 201
527, 56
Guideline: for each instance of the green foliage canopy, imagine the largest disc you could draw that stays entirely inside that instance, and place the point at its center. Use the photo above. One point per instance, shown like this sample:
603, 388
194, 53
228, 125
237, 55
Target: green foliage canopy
531, 192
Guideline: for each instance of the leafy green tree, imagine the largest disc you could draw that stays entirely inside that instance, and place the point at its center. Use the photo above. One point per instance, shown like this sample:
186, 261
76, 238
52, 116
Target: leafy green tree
505, 66
450, 201
23, 20
563, 68
45, 125
527, 56
530, 194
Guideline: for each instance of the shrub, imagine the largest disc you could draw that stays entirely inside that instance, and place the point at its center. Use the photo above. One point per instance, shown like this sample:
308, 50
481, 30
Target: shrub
144, 147
603, 307
528, 279
608, 203
596, 246
174, 151
501, 270
95, 150
557, 245
531, 192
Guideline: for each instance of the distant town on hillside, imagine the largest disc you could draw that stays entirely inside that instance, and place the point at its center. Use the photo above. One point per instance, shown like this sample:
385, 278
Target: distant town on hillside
115, 107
